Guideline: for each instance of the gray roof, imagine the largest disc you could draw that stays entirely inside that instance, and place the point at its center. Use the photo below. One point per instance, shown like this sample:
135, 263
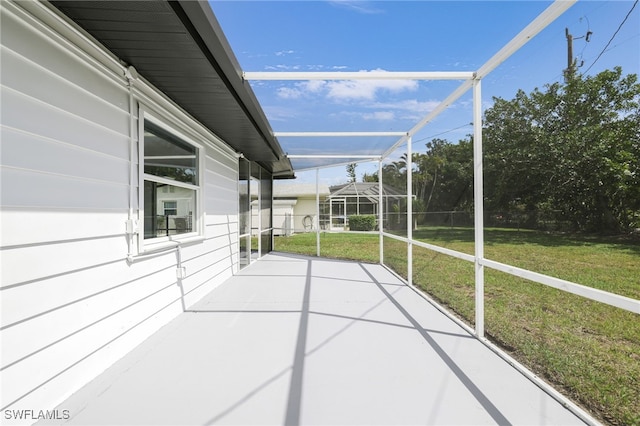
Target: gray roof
366, 189
179, 47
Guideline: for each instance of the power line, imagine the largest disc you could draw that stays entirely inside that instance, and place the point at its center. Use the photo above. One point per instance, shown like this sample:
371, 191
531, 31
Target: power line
613, 36
442, 133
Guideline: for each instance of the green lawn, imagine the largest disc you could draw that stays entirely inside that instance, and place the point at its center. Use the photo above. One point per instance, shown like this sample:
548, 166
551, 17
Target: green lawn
588, 350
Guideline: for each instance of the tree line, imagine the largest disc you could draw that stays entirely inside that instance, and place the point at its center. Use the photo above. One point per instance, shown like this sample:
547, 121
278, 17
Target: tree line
569, 153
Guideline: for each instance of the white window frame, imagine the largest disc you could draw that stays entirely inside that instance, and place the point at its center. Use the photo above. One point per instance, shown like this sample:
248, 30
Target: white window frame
197, 234
164, 206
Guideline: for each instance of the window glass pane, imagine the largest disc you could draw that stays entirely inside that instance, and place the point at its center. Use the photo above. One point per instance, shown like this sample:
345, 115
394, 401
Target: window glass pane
244, 199
170, 207
245, 251
254, 192
265, 243
169, 157
265, 200
164, 217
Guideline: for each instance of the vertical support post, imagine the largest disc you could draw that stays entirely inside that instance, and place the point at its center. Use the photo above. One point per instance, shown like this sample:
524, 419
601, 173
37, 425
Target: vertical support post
260, 212
409, 213
271, 221
380, 212
478, 203
318, 212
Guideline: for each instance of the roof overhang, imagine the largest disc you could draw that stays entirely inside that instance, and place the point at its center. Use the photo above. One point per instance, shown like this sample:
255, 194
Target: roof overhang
179, 47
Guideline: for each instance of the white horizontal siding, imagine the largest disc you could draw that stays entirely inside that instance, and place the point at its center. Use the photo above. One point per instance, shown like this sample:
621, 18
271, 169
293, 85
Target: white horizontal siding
37, 189
61, 324
60, 291
65, 176
22, 227
61, 158
221, 184
43, 261
26, 114
28, 78
48, 55
225, 167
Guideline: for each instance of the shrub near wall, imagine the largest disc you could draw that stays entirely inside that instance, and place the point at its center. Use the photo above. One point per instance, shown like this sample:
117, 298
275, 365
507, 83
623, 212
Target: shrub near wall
365, 222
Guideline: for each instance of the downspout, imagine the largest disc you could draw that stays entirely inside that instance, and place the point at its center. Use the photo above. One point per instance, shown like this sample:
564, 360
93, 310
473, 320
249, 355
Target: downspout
131, 75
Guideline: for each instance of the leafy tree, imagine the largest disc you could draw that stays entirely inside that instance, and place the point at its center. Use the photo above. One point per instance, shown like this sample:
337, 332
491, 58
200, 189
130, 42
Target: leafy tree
366, 177
444, 175
573, 148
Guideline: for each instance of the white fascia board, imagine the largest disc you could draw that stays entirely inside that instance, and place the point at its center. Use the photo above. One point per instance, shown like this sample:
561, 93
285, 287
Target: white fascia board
361, 75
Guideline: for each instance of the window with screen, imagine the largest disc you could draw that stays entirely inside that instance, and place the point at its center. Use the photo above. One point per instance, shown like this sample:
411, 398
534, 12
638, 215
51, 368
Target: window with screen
171, 183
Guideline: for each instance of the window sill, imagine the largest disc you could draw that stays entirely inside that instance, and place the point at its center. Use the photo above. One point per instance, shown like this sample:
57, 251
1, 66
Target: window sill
155, 249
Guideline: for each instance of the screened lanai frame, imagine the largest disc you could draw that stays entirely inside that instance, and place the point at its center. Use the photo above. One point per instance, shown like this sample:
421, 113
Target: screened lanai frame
470, 81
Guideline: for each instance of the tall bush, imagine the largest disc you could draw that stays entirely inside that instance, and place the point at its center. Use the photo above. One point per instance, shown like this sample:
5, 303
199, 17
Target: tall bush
365, 222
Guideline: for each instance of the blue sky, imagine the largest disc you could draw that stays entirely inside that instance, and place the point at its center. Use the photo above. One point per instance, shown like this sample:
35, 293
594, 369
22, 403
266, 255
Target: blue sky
409, 36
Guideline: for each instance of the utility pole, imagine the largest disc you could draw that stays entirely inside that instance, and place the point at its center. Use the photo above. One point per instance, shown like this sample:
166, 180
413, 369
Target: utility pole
571, 62
571, 65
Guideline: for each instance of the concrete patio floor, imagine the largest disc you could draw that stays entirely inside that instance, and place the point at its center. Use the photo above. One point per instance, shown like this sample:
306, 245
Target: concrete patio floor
301, 340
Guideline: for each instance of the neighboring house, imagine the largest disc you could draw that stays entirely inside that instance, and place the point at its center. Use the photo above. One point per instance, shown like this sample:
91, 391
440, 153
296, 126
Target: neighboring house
359, 198
131, 150
295, 207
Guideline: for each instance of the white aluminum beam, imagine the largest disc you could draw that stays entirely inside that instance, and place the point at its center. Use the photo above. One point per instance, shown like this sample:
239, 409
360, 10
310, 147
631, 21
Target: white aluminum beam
336, 134
478, 207
336, 156
380, 213
360, 75
409, 211
318, 213
601, 296
339, 164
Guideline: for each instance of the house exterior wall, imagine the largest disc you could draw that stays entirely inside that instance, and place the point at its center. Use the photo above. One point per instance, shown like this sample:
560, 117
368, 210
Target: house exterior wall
305, 207
76, 293
289, 215
283, 217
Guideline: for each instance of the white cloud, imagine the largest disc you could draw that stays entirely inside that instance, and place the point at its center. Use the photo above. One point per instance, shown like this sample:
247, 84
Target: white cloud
379, 116
299, 90
344, 90
278, 113
284, 52
289, 93
359, 6
313, 86
367, 89
411, 105
281, 67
